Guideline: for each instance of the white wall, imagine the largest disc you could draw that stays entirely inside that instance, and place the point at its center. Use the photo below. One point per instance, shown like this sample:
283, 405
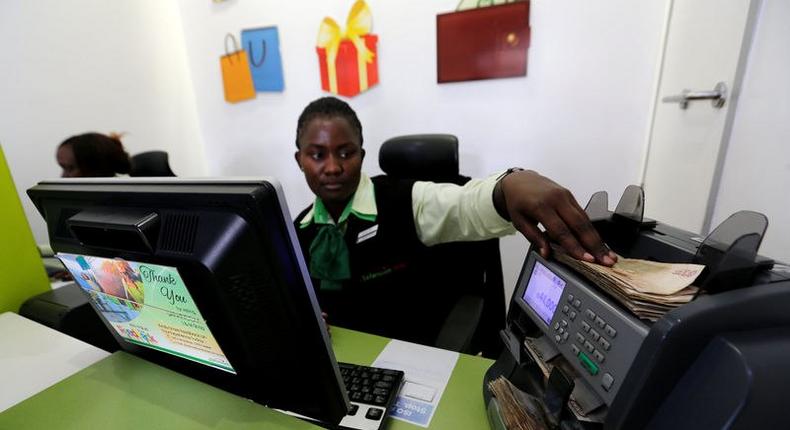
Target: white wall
67, 67
579, 116
150, 68
756, 173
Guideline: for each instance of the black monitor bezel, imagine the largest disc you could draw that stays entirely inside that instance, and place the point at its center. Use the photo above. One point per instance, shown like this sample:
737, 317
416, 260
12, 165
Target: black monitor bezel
261, 204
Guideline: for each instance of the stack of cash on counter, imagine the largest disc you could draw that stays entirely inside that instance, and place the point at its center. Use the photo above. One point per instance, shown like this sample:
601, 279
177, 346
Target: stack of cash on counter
647, 288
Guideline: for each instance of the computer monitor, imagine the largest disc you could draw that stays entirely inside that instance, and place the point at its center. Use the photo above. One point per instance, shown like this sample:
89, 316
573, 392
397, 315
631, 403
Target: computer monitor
205, 277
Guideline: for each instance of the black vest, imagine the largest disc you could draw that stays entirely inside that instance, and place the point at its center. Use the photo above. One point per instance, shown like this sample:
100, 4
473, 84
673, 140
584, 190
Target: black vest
395, 286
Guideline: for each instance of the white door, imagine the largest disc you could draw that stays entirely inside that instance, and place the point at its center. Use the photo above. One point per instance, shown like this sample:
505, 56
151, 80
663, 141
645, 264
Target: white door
706, 42
756, 173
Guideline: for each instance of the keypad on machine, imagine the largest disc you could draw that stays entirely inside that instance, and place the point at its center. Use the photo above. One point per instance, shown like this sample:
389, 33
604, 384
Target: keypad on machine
591, 344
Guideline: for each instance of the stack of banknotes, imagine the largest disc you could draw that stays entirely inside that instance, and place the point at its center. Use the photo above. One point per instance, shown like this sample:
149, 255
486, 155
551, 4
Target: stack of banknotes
647, 288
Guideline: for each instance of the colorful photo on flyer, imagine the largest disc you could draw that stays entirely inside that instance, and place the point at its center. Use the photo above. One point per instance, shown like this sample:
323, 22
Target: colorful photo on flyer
148, 305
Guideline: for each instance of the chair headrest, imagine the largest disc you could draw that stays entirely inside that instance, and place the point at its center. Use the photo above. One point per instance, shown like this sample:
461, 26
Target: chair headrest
151, 163
426, 157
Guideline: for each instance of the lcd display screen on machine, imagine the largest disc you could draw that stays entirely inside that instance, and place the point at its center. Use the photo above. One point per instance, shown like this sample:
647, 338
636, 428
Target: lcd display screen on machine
543, 291
148, 305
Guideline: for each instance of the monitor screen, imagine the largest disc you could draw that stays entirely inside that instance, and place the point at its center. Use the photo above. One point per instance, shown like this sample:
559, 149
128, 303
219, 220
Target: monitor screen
205, 277
543, 291
148, 305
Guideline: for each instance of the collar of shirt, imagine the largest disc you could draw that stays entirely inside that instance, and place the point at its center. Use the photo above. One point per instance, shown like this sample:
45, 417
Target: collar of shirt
362, 205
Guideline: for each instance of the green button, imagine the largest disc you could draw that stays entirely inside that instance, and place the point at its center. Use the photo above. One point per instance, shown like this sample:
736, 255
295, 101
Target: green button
588, 363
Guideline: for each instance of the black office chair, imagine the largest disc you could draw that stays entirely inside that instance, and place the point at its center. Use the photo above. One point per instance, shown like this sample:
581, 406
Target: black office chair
151, 163
473, 270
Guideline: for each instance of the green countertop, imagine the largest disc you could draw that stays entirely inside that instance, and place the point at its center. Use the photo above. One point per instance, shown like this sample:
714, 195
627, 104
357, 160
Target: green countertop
125, 392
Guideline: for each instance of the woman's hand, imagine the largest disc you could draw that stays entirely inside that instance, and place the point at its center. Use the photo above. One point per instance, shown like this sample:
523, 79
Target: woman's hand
530, 199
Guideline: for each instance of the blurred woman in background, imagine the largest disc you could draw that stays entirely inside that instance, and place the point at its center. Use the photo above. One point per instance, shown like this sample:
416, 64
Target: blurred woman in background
93, 155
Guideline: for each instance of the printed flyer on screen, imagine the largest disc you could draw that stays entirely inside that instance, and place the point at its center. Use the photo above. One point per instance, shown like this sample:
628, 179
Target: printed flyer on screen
147, 305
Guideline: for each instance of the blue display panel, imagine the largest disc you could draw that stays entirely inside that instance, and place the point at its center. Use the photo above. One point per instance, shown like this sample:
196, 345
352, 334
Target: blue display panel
543, 291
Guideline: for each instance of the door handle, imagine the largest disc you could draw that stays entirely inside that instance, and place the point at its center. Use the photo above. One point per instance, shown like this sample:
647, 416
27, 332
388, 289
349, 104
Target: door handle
717, 97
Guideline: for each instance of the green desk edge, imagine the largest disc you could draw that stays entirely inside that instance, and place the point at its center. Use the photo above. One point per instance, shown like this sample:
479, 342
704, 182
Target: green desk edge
125, 392
22, 273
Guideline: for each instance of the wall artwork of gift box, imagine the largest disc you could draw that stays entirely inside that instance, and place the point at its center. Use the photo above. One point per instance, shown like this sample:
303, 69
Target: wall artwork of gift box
483, 43
348, 59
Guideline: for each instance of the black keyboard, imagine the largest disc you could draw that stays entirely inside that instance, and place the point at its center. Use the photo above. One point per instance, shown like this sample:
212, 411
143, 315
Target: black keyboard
372, 392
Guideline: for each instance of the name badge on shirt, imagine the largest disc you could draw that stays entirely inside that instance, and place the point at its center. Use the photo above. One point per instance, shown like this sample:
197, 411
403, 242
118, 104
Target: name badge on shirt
367, 233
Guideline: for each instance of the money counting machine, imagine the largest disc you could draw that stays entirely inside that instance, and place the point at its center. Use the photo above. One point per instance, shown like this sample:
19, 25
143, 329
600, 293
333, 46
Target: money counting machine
719, 361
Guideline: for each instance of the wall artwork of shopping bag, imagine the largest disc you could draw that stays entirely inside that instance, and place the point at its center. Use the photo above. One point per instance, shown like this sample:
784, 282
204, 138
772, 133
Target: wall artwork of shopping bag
263, 54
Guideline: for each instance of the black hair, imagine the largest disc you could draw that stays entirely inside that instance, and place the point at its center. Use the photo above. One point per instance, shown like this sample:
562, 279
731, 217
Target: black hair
99, 155
328, 107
